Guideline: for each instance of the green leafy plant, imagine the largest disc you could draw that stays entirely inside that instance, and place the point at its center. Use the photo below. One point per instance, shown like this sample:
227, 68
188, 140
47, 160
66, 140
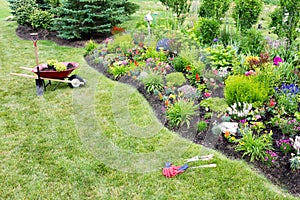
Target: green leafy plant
123, 42
202, 126
240, 88
41, 19
252, 42
60, 66
180, 63
246, 13
180, 7
90, 46
295, 162
153, 82
175, 79
215, 9
206, 29
254, 146
23, 10
215, 104
221, 57
285, 20
180, 113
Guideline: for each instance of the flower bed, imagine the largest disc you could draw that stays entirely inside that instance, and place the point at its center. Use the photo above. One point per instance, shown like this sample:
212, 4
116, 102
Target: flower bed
244, 109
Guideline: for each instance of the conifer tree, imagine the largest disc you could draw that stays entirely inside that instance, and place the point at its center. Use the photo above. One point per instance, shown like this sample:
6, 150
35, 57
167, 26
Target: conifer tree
77, 19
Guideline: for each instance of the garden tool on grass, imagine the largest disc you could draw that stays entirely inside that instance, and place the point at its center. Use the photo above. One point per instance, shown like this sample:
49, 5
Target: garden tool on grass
170, 170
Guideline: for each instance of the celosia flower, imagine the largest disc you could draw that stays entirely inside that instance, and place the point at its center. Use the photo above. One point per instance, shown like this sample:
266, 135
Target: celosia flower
277, 60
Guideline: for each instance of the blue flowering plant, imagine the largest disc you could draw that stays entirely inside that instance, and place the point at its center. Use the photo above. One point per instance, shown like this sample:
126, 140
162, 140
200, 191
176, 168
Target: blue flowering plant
287, 99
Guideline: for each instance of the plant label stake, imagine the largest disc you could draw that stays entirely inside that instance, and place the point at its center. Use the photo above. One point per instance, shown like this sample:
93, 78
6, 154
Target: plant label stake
38, 82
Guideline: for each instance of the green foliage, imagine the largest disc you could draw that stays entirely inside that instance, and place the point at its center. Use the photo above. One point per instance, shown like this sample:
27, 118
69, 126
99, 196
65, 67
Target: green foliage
23, 10
206, 29
202, 126
180, 7
60, 67
180, 63
81, 19
121, 41
295, 162
175, 79
153, 82
180, 113
41, 19
246, 13
152, 53
215, 104
222, 57
214, 9
285, 19
118, 71
252, 42
254, 146
90, 46
240, 88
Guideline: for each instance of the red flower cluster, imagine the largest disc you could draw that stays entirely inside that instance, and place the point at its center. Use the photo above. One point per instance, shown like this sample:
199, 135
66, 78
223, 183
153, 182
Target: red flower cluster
116, 30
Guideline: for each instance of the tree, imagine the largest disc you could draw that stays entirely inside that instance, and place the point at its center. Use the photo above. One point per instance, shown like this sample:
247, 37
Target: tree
178, 6
215, 9
80, 19
246, 13
286, 19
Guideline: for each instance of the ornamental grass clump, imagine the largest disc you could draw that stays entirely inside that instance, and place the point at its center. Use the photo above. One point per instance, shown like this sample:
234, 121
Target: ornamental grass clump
181, 112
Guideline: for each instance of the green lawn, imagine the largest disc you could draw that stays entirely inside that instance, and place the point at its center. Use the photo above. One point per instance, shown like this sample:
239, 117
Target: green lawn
101, 141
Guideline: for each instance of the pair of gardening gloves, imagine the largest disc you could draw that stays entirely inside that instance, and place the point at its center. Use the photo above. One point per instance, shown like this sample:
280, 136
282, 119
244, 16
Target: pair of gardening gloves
170, 170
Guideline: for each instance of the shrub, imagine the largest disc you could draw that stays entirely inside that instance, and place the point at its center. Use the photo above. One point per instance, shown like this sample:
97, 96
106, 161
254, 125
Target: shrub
206, 29
246, 13
153, 82
202, 125
252, 42
180, 113
240, 88
23, 10
175, 79
295, 162
285, 20
178, 6
254, 146
215, 9
89, 47
41, 19
180, 63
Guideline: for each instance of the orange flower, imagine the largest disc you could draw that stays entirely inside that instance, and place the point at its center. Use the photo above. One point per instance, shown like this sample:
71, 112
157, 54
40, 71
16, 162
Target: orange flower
136, 63
167, 103
227, 134
188, 68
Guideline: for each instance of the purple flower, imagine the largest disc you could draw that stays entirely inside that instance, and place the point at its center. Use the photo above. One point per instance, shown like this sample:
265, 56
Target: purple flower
215, 40
277, 60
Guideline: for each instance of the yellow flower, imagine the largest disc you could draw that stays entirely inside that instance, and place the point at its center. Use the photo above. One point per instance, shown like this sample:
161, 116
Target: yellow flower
232, 138
242, 143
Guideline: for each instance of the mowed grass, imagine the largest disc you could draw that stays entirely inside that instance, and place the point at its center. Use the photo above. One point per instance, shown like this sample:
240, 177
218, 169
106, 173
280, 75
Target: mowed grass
101, 141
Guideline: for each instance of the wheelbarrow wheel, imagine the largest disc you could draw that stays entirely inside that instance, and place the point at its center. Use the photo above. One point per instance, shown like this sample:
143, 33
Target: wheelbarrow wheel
76, 81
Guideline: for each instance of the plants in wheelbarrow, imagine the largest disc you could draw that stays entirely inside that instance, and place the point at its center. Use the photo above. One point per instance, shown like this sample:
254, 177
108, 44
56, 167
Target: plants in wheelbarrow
56, 66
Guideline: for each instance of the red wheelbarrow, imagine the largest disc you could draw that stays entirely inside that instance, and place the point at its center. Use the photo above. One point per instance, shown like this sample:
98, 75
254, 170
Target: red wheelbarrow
42, 73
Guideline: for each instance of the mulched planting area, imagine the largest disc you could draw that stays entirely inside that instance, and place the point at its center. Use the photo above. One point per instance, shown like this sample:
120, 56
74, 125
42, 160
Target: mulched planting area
279, 173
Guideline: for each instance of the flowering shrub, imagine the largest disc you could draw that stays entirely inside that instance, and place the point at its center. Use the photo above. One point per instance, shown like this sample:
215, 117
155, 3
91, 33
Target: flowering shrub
287, 99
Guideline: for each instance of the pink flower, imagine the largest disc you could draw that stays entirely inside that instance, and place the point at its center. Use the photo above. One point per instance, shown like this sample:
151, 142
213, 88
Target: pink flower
277, 60
207, 94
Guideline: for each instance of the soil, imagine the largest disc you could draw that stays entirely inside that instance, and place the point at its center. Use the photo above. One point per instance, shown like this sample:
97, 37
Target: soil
279, 173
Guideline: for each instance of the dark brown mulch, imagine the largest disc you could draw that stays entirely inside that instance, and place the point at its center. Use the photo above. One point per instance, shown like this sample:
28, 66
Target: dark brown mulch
279, 173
